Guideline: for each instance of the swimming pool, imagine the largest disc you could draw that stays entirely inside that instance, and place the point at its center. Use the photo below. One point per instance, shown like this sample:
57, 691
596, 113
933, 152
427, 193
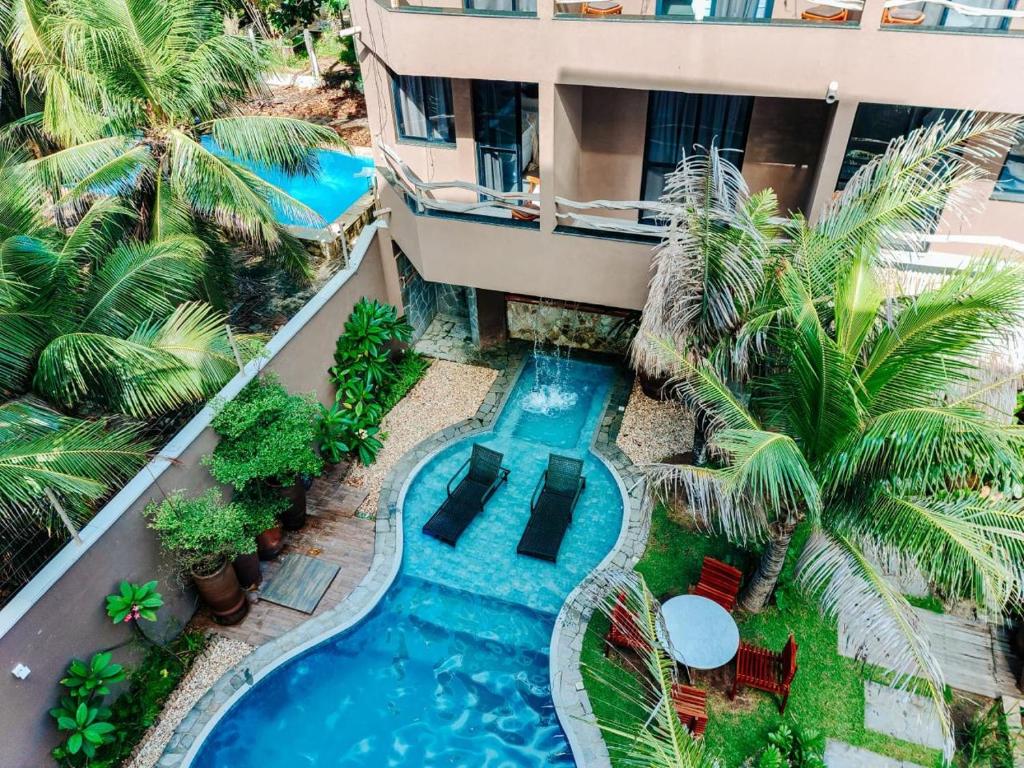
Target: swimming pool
341, 180
451, 667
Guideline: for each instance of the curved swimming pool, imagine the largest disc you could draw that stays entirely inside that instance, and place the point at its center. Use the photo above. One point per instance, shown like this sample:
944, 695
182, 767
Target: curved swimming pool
451, 667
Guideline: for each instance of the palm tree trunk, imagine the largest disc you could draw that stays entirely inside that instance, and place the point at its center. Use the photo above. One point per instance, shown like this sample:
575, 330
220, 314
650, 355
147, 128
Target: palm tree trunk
760, 587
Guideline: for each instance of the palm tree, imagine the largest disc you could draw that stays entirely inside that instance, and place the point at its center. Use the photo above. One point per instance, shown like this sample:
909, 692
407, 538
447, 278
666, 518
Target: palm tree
91, 317
134, 91
644, 728
77, 461
847, 424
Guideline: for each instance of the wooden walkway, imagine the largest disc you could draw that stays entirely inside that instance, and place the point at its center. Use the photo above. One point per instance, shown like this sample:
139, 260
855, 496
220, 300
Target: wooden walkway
332, 533
974, 656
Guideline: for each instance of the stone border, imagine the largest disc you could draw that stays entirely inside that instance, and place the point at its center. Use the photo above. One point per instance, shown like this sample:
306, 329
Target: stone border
570, 699
183, 746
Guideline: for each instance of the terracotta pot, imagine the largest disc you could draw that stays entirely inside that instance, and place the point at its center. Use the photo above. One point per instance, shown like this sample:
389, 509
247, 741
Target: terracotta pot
294, 516
223, 594
654, 386
270, 543
247, 569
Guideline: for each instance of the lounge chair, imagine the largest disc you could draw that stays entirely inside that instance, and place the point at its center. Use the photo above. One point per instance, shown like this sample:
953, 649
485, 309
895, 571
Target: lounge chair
902, 16
484, 474
551, 507
602, 8
825, 13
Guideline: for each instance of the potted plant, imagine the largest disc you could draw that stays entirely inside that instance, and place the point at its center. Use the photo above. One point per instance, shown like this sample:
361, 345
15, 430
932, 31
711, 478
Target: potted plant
267, 438
205, 535
262, 510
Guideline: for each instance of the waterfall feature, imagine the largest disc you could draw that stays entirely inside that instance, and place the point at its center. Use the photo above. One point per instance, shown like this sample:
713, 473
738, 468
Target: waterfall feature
549, 394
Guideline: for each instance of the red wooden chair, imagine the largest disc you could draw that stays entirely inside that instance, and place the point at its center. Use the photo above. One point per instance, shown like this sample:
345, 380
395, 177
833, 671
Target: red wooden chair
691, 706
624, 631
719, 582
766, 670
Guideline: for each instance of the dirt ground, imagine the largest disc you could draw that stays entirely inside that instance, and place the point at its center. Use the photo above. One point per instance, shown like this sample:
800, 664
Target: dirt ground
337, 104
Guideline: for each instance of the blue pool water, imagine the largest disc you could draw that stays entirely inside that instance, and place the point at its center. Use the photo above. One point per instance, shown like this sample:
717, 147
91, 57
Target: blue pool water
451, 668
341, 180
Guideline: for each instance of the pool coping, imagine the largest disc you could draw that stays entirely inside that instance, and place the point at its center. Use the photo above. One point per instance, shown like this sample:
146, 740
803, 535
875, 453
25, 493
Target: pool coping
570, 699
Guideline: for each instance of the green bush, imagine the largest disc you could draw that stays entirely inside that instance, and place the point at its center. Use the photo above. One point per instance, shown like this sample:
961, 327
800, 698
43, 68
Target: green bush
81, 713
790, 746
410, 370
132, 602
266, 435
260, 506
202, 532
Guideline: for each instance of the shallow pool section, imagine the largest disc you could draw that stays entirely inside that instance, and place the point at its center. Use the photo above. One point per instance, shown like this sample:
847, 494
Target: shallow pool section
341, 180
451, 667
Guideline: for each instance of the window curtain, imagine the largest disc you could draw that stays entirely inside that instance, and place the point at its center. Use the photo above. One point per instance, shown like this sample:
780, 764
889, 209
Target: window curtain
739, 9
952, 20
1010, 185
523, 6
423, 108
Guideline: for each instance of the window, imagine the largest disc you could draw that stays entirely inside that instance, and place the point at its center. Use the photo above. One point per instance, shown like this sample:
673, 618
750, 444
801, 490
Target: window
1010, 185
505, 127
423, 108
679, 123
875, 125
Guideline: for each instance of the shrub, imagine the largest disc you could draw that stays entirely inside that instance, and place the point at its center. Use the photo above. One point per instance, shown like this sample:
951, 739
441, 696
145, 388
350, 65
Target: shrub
790, 746
202, 532
266, 434
410, 370
133, 602
81, 713
260, 507
363, 351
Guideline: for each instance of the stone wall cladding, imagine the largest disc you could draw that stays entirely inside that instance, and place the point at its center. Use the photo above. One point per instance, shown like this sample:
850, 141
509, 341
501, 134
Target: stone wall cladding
419, 297
567, 690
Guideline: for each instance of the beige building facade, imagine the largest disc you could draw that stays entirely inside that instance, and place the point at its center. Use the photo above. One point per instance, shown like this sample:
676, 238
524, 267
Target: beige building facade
550, 106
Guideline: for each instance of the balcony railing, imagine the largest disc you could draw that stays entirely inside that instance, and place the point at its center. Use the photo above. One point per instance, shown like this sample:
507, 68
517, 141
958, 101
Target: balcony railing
953, 16
822, 12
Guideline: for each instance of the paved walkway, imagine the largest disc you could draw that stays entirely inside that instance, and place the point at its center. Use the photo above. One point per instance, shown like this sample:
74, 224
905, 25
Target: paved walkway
901, 715
448, 338
841, 755
332, 533
974, 656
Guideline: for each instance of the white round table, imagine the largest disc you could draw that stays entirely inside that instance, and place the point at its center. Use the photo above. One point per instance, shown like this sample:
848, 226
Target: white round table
701, 633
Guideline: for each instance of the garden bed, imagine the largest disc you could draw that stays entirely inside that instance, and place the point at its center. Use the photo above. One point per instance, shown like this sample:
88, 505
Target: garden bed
447, 394
827, 693
653, 430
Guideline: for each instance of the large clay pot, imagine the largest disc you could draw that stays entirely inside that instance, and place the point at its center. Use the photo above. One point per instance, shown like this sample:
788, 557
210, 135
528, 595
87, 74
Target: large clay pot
247, 569
223, 594
294, 516
270, 543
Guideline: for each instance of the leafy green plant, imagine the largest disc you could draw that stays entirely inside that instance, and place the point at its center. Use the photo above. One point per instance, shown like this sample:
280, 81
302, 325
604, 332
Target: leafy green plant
790, 746
260, 507
133, 602
983, 741
80, 712
363, 349
202, 532
285, 15
266, 434
88, 681
87, 731
332, 433
412, 367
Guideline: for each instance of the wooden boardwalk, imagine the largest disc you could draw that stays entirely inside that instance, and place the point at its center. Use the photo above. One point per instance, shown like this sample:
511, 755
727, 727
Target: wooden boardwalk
332, 533
974, 656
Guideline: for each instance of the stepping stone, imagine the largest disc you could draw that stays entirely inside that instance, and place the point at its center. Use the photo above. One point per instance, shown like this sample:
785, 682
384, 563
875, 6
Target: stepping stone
300, 583
901, 715
841, 755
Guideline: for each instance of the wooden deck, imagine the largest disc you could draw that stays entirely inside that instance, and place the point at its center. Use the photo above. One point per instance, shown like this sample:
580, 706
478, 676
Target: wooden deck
974, 656
332, 533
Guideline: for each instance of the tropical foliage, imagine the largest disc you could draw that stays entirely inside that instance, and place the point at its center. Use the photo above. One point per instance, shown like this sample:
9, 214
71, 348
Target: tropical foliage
835, 400
139, 98
663, 741
132, 602
81, 713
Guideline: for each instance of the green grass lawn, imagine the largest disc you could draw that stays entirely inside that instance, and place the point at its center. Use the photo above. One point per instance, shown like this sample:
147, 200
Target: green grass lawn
827, 693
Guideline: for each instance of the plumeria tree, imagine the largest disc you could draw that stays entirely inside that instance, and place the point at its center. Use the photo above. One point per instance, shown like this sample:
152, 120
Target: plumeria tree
136, 94
864, 415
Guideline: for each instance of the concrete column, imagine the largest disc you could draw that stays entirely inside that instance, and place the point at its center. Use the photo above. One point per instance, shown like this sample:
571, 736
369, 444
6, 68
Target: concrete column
547, 99
492, 321
389, 265
836, 138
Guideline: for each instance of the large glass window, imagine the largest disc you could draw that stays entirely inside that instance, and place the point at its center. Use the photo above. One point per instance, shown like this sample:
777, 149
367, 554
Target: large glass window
505, 126
719, 9
1010, 185
679, 123
423, 108
521, 6
940, 16
875, 125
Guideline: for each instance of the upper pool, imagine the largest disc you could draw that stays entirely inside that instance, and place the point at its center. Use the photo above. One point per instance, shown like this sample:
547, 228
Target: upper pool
451, 667
340, 181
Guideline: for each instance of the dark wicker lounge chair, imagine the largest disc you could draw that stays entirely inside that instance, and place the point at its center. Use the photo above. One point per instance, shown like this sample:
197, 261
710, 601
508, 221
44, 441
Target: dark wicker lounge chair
463, 504
559, 489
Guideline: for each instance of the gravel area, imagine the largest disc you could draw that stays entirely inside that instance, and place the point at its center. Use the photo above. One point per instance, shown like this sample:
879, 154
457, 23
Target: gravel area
653, 430
220, 655
447, 394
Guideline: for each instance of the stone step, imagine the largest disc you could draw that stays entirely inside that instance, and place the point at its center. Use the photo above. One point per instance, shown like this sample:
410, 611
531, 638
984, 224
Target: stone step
901, 715
838, 754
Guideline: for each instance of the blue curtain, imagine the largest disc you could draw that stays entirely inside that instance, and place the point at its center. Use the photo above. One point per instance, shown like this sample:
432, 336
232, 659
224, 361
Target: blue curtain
685, 123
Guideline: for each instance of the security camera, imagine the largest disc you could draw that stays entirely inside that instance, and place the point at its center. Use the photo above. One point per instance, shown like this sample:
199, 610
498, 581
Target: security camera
832, 94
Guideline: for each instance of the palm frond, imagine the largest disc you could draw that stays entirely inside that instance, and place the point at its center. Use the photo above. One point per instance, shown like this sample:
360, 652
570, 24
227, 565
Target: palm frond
878, 621
274, 142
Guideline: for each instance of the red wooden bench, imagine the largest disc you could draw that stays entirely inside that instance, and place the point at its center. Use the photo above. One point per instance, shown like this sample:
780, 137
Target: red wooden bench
766, 670
624, 631
719, 582
691, 706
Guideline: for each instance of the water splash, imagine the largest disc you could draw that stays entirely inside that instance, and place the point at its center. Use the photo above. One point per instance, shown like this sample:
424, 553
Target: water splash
549, 395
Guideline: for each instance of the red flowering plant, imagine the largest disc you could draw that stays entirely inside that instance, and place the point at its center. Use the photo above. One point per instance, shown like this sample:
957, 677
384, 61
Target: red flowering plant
133, 602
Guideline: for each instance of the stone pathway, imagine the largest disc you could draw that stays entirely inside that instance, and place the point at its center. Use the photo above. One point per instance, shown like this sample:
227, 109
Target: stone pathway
448, 337
841, 755
901, 715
